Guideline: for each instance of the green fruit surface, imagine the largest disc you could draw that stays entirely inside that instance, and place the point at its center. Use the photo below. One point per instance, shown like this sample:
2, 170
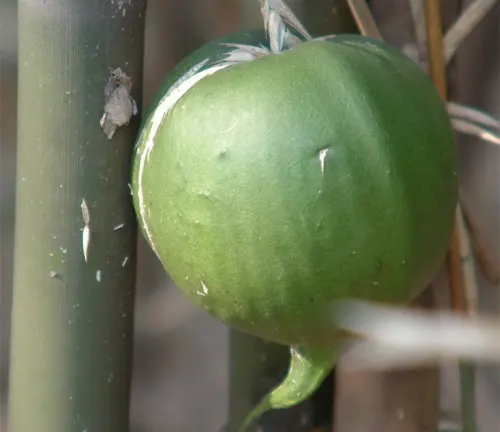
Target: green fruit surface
214, 51
280, 185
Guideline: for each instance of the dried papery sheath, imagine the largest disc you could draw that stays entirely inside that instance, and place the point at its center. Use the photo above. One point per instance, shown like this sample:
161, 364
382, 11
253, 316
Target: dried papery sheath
276, 29
279, 6
119, 106
257, 51
243, 53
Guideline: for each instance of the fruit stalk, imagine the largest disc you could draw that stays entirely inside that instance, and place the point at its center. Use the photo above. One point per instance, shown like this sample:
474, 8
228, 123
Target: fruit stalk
308, 369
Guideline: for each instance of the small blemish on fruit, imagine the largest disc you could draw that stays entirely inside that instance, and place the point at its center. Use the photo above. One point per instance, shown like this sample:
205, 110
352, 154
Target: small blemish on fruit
204, 194
375, 283
223, 153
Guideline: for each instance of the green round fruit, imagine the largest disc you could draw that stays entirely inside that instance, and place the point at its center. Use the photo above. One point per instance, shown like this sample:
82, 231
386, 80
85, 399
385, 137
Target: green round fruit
273, 187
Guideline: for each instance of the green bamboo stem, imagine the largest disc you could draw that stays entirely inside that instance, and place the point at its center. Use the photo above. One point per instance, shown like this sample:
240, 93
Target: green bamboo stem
72, 318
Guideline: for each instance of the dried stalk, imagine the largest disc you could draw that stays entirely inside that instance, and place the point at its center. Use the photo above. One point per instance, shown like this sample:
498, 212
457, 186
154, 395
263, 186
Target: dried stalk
418, 15
438, 76
437, 72
464, 25
364, 19
435, 46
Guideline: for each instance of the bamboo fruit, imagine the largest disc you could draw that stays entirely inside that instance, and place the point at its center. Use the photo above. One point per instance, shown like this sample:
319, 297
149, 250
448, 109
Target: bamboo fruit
257, 366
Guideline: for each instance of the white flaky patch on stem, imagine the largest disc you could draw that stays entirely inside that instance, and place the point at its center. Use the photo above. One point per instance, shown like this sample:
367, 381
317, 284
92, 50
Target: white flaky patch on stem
154, 123
322, 157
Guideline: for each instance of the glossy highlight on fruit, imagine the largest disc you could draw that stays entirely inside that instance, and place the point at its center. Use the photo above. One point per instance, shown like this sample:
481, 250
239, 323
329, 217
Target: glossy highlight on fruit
271, 186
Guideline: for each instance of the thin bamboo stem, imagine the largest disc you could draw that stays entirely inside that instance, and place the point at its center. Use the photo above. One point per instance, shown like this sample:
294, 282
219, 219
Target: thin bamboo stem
437, 67
435, 46
438, 75
418, 15
464, 25
75, 239
364, 19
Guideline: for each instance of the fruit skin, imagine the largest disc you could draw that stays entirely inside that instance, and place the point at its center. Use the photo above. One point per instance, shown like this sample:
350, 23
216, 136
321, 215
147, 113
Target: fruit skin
278, 186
